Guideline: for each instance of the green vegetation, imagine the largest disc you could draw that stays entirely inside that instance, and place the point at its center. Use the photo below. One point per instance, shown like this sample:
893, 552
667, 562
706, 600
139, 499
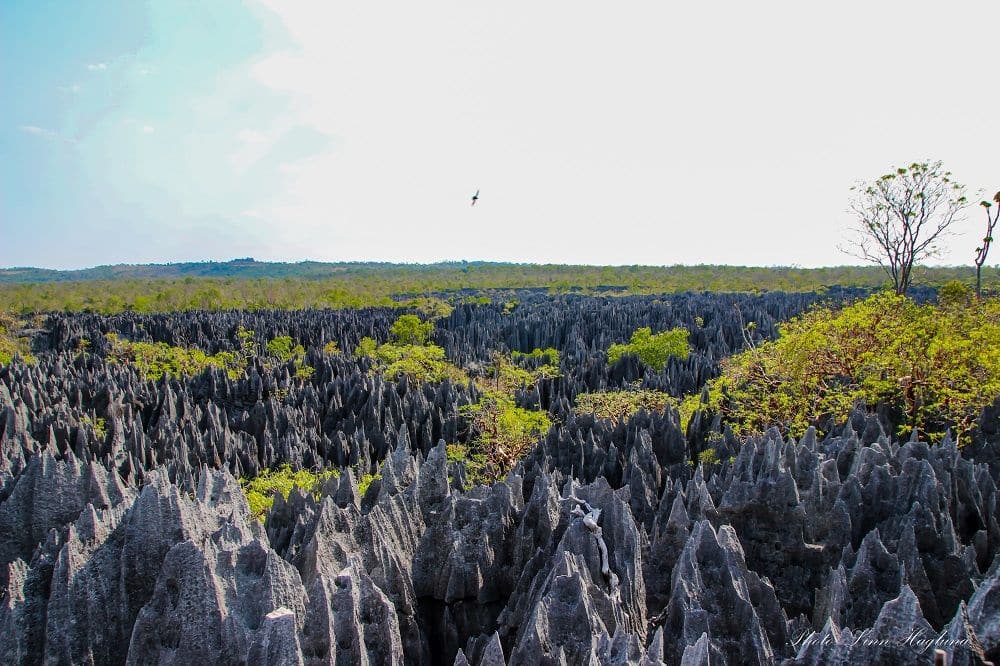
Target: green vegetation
688, 406
11, 342
475, 463
620, 405
260, 490
431, 307
992, 218
653, 350
503, 432
331, 348
903, 215
304, 372
550, 355
418, 362
410, 354
284, 349
410, 330
255, 285
708, 457
155, 359
506, 375
98, 425
365, 482
935, 367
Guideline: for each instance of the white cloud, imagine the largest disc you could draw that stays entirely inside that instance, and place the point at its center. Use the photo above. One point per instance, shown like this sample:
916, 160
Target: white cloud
73, 89
47, 134
252, 136
96, 67
716, 141
41, 132
148, 129
32, 129
253, 145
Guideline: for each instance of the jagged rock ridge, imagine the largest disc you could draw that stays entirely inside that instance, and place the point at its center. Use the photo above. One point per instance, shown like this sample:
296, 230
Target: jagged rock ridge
603, 546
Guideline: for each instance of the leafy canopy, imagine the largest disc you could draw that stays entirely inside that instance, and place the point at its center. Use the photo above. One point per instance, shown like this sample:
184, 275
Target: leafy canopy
110, 290
934, 366
410, 330
155, 359
475, 463
365, 482
10, 342
260, 490
420, 361
503, 432
506, 375
653, 350
620, 405
284, 348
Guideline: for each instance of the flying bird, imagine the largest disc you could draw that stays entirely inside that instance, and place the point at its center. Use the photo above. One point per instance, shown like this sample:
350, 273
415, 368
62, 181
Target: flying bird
475, 197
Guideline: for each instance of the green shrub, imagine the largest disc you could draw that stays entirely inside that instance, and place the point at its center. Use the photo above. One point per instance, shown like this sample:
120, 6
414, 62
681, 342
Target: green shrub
506, 376
260, 490
689, 405
155, 359
653, 350
284, 349
502, 431
82, 347
430, 307
409, 330
421, 362
708, 457
331, 348
475, 463
367, 347
99, 426
365, 482
11, 343
934, 367
550, 355
11, 346
955, 294
304, 371
620, 405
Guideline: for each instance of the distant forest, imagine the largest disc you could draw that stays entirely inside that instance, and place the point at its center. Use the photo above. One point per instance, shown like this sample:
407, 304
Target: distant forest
249, 284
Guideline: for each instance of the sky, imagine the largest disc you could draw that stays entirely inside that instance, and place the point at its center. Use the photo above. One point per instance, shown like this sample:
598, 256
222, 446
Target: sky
658, 133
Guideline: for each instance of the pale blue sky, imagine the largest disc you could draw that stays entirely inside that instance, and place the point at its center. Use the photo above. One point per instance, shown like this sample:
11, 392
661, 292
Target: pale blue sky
607, 133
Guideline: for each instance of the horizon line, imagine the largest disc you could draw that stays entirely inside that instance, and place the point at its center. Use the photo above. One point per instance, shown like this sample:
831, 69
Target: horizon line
447, 262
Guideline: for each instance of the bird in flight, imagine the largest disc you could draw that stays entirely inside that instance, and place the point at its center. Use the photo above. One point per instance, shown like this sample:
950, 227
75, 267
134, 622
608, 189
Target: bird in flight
475, 197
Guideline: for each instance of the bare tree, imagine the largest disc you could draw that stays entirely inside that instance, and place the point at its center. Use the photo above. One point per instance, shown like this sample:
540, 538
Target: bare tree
902, 217
982, 251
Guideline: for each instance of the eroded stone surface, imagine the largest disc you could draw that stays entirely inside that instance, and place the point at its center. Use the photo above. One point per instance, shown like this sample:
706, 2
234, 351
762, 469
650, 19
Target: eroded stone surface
603, 546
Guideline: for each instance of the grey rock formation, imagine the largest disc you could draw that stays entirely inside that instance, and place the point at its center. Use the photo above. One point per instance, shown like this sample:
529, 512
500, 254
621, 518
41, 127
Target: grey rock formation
134, 543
